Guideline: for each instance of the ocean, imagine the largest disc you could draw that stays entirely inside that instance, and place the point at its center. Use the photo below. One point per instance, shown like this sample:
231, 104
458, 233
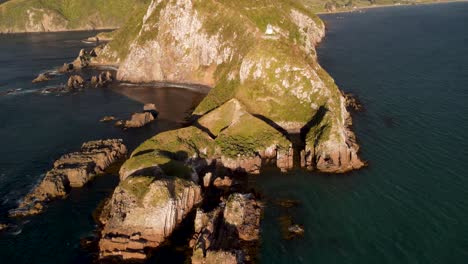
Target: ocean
408, 66
36, 129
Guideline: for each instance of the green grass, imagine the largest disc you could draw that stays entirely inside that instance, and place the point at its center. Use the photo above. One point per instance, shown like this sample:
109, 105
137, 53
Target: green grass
248, 136
77, 13
137, 186
181, 142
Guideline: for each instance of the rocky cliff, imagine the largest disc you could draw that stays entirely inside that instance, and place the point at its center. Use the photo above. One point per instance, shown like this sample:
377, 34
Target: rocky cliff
65, 15
260, 55
268, 90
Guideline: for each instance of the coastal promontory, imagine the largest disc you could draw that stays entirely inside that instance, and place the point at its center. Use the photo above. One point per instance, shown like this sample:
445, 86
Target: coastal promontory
270, 103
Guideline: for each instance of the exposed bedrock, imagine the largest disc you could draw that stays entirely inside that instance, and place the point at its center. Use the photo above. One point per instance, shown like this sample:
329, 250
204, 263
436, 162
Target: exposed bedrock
229, 233
143, 212
71, 171
270, 69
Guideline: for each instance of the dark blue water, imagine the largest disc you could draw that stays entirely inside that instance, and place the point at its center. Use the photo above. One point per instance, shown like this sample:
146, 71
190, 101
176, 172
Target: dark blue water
409, 67
36, 129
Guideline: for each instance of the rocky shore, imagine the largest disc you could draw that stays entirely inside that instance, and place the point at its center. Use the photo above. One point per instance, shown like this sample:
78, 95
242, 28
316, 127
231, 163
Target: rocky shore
72, 170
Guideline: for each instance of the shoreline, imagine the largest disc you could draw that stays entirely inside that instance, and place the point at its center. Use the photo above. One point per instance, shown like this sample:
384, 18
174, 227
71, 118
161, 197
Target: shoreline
3, 33
362, 8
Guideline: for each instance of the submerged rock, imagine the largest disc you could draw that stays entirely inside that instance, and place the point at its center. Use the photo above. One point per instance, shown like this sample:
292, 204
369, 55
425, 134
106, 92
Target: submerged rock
3, 226
107, 119
70, 171
290, 230
296, 229
353, 102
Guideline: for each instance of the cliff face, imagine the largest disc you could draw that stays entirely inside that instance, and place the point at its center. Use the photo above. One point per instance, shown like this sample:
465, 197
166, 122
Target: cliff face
260, 59
144, 211
260, 54
65, 15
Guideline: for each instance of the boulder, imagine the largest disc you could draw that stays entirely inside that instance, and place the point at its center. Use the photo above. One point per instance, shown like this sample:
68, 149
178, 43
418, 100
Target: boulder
70, 171
296, 229
75, 82
107, 119
82, 61
102, 80
151, 108
41, 78
352, 102
66, 67
139, 120
223, 183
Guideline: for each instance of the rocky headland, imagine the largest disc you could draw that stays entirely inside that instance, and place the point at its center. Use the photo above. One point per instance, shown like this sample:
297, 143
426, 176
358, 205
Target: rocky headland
270, 103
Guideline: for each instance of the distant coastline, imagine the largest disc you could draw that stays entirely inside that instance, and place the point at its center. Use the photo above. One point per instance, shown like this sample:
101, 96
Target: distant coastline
360, 8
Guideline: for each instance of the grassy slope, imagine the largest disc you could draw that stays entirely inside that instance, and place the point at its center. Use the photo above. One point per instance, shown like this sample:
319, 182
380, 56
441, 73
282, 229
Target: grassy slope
258, 15
78, 13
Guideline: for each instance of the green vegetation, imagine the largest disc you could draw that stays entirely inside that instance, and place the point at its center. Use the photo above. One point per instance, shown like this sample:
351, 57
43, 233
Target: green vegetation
249, 136
180, 144
345, 5
220, 118
73, 14
137, 186
160, 160
149, 190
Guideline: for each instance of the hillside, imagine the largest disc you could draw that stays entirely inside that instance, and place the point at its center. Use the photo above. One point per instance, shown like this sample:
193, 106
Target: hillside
64, 15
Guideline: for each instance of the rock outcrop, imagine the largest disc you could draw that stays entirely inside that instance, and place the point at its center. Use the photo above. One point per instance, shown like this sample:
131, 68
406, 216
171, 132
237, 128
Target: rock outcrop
151, 108
228, 135
75, 82
43, 77
144, 210
102, 80
71, 171
263, 60
139, 120
229, 233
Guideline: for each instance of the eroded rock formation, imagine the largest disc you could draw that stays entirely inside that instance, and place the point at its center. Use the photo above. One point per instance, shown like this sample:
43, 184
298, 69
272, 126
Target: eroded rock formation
70, 171
139, 120
75, 82
229, 233
275, 77
144, 210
